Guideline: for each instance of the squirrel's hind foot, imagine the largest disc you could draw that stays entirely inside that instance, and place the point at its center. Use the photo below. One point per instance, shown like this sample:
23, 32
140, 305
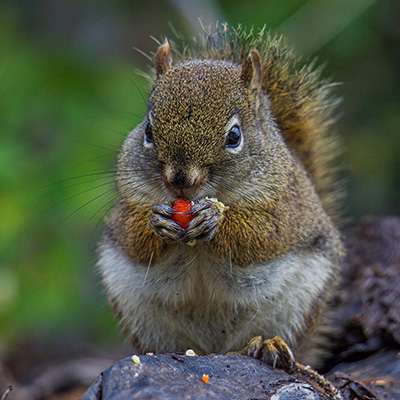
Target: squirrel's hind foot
274, 352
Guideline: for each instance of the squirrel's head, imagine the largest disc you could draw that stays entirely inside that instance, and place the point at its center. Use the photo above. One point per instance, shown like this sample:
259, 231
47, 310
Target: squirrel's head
203, 134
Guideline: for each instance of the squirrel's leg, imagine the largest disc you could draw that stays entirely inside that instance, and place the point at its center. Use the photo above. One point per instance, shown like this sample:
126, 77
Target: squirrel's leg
274, 352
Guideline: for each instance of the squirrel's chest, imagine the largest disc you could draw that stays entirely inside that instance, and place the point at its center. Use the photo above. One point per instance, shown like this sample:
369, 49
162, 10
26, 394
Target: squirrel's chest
189, 275
194, 276
186, 276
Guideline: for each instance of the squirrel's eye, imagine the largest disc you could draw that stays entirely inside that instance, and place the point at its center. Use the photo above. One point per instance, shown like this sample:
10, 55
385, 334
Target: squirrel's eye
148, 134
233, 138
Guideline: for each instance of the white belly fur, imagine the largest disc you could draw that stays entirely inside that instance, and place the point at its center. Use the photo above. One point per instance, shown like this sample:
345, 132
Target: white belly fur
190, 301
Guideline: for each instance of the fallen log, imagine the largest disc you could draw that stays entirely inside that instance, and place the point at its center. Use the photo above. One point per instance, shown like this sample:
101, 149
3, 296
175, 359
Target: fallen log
173, 376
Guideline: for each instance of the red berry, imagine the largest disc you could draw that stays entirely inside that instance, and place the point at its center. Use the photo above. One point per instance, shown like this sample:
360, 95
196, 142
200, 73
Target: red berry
182, 206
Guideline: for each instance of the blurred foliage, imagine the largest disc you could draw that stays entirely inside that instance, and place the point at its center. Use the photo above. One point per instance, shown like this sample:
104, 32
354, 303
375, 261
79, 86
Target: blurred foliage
68, 96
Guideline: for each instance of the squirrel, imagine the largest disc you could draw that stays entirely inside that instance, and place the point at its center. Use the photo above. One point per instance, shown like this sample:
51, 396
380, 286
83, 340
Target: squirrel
237, 129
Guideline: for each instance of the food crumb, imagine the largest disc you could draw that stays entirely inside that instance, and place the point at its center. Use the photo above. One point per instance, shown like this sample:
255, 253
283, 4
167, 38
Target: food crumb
136, 359
190, 353
205, 378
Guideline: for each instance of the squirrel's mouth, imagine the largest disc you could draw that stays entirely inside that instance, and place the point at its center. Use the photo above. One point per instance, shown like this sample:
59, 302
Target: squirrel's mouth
189, 193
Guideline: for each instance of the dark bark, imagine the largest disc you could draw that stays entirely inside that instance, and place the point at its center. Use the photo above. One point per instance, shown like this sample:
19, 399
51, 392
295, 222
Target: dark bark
171, 376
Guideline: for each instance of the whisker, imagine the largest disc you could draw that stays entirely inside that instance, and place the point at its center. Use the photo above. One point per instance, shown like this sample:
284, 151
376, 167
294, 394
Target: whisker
123, 134
110, 154
160, 192
255, 314
237, 193
191, 263
211, 184
215, 179
108, 172
106, 204
101, 219
143, 185
136, 115
148, 268
133, 188
66, 199
140, 92
109, 182
84, 205
114, 151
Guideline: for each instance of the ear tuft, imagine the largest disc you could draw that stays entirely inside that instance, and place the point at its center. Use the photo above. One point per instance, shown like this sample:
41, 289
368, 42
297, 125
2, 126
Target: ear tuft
162, 59
252, 70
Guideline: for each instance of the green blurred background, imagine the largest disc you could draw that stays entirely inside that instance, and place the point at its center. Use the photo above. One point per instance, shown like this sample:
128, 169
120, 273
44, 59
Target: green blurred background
69, 93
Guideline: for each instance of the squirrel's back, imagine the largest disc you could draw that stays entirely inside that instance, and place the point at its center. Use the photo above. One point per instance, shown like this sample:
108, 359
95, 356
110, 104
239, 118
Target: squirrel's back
301, 101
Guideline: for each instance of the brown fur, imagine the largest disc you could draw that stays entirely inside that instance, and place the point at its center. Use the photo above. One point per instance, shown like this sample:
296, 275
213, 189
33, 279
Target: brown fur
138, 241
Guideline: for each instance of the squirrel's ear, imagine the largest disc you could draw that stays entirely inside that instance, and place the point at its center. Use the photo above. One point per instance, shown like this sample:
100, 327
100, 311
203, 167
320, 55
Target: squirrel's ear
252, 70
162, 59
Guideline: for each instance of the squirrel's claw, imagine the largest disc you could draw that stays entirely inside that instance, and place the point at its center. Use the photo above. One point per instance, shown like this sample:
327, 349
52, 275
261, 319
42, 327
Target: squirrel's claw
274, 352
163, 209
162, 224
201, 205
208, 215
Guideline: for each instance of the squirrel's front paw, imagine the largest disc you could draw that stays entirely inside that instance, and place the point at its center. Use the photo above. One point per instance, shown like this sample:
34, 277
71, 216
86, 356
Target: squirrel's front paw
208, 214
162, 224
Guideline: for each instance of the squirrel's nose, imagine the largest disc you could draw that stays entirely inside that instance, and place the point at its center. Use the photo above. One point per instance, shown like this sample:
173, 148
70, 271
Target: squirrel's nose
178, 178
181, 181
